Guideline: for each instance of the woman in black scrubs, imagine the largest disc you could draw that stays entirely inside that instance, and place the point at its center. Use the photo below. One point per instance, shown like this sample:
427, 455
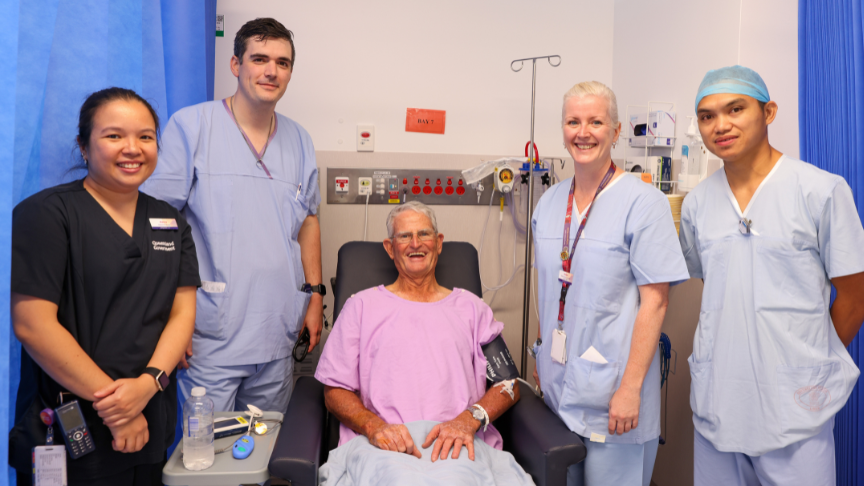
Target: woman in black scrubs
103, 301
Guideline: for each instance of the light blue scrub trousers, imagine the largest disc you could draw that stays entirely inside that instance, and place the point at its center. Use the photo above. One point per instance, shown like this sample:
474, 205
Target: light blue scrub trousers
808, 462
267, 385
614, 464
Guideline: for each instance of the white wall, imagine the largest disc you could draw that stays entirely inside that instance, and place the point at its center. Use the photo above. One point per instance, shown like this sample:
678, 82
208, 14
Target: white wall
366, 62
663, 48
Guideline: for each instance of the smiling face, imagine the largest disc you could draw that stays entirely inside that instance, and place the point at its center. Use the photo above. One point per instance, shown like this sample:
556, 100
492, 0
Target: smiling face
734, 126
588, 130
266, 69
414, 258
122, 150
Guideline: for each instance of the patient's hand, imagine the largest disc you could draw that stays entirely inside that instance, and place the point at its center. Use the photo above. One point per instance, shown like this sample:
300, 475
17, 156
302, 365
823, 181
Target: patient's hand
455, 433
393, 437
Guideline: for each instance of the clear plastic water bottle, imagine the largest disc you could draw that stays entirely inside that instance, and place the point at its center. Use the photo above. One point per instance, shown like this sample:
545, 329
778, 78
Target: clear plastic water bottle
198, 449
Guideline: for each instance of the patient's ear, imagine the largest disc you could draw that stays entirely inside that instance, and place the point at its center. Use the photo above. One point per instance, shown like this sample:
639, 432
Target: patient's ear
440, 243
388, 246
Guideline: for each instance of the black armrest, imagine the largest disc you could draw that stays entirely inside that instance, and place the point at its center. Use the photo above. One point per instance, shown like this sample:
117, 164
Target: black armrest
298, 447
541, 443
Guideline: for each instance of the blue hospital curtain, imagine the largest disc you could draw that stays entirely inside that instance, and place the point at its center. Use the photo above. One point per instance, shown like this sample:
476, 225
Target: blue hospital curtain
55, 53
831, 124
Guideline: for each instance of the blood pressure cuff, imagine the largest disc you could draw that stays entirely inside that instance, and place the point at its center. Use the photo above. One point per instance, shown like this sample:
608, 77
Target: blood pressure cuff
499, 363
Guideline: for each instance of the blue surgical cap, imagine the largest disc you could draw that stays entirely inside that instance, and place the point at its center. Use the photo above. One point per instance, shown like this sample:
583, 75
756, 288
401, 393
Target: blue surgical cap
733, 79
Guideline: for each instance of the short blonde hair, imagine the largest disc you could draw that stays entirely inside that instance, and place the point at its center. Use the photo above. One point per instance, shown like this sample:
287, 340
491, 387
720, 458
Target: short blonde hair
593, 88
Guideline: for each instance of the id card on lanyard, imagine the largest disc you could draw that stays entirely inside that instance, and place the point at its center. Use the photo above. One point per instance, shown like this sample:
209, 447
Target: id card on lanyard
559, 352
49, 461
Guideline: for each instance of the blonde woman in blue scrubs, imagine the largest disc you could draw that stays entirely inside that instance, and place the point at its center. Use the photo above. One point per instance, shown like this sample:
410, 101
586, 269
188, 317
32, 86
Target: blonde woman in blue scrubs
603, 288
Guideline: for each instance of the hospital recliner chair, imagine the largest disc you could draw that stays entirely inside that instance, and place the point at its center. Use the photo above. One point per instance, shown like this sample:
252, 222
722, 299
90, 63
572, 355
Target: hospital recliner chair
536, 437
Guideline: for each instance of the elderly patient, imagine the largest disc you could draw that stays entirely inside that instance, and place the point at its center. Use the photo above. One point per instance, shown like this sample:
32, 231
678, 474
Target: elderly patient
411, 351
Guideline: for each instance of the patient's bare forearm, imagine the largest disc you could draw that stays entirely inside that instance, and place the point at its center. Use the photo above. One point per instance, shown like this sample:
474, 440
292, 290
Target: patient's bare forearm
348, 408
497, 399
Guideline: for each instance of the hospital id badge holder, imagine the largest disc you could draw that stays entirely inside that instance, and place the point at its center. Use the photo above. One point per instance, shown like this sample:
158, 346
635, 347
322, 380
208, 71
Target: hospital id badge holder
559, 345
49, 461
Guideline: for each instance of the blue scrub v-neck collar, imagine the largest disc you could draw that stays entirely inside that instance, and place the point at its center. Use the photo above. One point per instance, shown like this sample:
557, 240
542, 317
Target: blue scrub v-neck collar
731, 195
605, 189
258, 155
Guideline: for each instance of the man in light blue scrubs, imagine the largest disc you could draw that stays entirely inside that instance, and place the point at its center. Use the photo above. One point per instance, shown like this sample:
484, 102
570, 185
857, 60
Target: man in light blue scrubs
769, 235
245, 178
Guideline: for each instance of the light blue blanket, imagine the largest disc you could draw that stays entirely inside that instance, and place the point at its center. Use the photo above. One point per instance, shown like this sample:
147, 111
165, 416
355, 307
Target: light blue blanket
359, 463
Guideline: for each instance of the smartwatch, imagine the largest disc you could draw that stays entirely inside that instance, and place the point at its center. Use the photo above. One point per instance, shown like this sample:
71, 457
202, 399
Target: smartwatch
161, 378
308, 288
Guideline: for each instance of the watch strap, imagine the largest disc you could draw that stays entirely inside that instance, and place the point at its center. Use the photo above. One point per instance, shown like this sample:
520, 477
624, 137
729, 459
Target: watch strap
484, 422
160, 376
320, 288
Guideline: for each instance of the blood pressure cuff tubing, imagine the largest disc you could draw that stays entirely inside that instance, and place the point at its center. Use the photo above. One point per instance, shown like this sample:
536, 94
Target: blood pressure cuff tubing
499, 363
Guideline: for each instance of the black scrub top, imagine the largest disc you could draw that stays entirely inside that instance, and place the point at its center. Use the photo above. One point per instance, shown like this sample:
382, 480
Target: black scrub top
114, 294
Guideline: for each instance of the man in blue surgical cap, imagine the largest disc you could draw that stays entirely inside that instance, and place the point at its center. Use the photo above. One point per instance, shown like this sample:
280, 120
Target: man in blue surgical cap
768, 235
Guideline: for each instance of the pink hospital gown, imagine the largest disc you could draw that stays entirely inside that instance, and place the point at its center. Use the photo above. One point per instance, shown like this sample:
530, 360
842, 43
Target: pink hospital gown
408, 360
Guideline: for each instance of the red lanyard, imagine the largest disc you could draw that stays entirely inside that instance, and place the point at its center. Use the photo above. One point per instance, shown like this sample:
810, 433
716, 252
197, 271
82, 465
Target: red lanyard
567, 257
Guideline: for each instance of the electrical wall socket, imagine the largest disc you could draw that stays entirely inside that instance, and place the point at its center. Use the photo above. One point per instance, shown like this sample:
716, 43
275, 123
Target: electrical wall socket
365, 186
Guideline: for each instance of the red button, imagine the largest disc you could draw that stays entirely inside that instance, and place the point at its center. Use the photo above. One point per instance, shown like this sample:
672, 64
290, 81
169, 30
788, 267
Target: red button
365, 134
341, 184
438, 191
460, 182
449, 181
415, 189
427, 190
460, 190
438, 182
449, 191
416, 181
404, 182
427, 182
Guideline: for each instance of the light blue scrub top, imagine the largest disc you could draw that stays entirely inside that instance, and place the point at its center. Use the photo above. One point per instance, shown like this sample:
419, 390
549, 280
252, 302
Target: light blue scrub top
245, 227
629, 240
767, 368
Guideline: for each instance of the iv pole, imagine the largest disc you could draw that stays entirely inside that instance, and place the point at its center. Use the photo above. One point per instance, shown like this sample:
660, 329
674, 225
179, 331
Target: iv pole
526, 303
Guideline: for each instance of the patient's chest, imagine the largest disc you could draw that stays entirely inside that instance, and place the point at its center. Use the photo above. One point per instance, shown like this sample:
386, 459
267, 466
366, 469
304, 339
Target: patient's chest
419, 364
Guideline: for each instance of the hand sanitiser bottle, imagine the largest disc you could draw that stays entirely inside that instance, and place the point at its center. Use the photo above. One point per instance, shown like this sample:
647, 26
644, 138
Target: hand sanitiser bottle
198, 449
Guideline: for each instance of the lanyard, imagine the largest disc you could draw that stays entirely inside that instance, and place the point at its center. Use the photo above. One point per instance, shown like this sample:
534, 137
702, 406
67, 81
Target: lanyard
567, 257
260, 163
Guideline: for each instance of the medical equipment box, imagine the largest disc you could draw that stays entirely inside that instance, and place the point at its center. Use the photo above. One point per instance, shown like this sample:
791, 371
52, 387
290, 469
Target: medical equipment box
228, 426
655, 129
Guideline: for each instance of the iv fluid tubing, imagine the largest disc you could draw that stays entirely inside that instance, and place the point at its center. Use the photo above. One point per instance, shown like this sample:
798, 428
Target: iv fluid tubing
480, 251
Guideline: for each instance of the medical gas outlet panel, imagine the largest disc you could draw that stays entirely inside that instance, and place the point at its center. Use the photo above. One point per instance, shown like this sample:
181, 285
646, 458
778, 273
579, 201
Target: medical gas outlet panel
397, 186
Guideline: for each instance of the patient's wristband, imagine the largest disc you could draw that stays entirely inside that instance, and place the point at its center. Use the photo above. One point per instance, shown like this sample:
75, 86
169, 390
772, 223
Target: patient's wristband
479, 413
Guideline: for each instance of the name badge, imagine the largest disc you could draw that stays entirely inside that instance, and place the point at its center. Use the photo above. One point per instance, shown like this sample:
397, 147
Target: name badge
49, 465
559, 346
212, 287
565, 277
163, 223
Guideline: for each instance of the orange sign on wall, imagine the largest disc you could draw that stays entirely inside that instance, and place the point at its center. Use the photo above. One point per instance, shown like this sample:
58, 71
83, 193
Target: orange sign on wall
425, 121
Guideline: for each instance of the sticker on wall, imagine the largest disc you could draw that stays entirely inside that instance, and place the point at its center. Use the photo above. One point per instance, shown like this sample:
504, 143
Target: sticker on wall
425, 121
220, 26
